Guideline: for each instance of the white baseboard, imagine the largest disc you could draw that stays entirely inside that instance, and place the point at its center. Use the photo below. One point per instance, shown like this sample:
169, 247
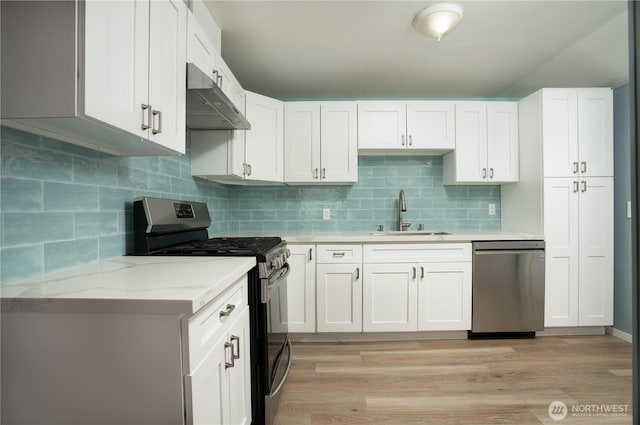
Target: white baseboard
618, 333
572, 331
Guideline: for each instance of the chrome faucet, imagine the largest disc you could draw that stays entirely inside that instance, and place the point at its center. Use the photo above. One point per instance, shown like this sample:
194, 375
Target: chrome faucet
402, 207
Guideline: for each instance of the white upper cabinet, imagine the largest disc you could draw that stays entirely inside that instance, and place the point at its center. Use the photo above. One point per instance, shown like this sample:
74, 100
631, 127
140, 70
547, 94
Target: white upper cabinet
239, 156
264, 143
115, 77
320, 141
486, 144
578, 132
396, 127
201, 50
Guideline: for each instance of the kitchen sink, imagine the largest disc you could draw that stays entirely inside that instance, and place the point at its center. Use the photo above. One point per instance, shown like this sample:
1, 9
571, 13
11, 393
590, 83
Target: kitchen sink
409, 233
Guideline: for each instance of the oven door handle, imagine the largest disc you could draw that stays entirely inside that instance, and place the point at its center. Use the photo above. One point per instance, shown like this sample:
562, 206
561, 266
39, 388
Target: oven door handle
274, 281
286, 372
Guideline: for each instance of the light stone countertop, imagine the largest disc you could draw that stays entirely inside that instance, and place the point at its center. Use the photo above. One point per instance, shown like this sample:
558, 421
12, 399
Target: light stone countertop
129, 284
394, 237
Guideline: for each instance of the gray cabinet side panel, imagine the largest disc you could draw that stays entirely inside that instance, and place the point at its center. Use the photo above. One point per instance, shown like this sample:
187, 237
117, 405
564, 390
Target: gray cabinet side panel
39, 63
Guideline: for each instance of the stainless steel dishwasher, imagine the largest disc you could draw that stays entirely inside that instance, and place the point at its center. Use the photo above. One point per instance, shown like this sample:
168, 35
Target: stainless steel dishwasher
508, 288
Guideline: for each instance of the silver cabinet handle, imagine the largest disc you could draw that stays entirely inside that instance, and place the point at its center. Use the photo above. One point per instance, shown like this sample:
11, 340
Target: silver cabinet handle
147, 108
227, 312
402, 139
310, 254
215, 75
219, 80
490, 173
315, 173
357, 273
575, 187
421, 272
584, 186
324, 173
415, 273
583, 165
484, 173
410, 140
155, 130
248, 169
338, 254
575, 167
244, 168
232, 363
235, 355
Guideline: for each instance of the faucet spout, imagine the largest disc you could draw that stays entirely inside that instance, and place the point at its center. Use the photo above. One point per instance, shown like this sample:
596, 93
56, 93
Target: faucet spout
402, 207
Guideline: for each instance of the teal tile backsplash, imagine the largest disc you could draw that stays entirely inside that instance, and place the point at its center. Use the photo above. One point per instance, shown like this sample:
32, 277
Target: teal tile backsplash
64, 205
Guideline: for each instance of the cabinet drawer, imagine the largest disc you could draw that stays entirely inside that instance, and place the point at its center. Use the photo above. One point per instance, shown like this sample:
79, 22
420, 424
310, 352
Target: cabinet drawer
339, 254
207, 325
411, 253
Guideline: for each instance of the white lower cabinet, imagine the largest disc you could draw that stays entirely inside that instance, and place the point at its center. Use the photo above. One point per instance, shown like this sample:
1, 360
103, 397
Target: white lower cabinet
339, 288
299, 313
444, 296
390, 297
578, 221
411, 287
218, 385
377, 288
219, 389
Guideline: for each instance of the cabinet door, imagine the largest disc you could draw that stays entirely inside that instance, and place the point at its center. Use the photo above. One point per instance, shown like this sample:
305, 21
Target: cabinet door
339, 142
382, 125
431, 125
167, 72
201, 50
502, 141
390, 297
206, 391
560, 132
596, 251
561, 201
116, 68
239, 376
300, 314
471, 142
595, 132
444, 296
264, 142
339, 298
229, 84
301, 142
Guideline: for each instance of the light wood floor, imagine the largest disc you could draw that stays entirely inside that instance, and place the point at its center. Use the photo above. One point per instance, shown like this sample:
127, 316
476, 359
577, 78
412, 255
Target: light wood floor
456, 381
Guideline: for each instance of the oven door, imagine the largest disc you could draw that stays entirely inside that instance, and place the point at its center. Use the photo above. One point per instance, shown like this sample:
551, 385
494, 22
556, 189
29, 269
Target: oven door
274, 294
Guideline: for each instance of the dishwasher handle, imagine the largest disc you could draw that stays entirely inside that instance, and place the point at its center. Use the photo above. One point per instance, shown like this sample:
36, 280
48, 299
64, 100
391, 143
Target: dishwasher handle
492, 246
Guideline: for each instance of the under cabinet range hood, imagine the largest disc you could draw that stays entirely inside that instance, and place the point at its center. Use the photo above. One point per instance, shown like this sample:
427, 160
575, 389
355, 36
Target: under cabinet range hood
208, 107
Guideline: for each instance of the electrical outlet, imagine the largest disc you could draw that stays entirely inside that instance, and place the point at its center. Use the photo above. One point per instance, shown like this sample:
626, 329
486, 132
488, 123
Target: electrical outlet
326, 214
492, 209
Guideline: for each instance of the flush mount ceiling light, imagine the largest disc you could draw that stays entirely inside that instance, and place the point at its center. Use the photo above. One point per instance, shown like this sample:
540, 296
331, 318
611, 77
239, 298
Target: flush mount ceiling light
437, 20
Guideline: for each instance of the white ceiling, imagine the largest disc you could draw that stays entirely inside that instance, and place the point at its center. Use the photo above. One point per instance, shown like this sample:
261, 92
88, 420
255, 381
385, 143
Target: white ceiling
303, 49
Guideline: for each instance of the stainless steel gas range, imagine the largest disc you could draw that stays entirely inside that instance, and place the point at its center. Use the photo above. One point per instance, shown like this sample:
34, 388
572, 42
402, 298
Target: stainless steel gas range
172, 227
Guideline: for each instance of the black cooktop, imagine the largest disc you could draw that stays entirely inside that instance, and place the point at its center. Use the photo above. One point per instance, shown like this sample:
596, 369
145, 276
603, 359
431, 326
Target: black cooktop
236, 246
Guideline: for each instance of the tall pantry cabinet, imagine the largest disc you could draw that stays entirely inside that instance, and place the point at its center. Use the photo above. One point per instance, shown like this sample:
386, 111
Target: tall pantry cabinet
566, 192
